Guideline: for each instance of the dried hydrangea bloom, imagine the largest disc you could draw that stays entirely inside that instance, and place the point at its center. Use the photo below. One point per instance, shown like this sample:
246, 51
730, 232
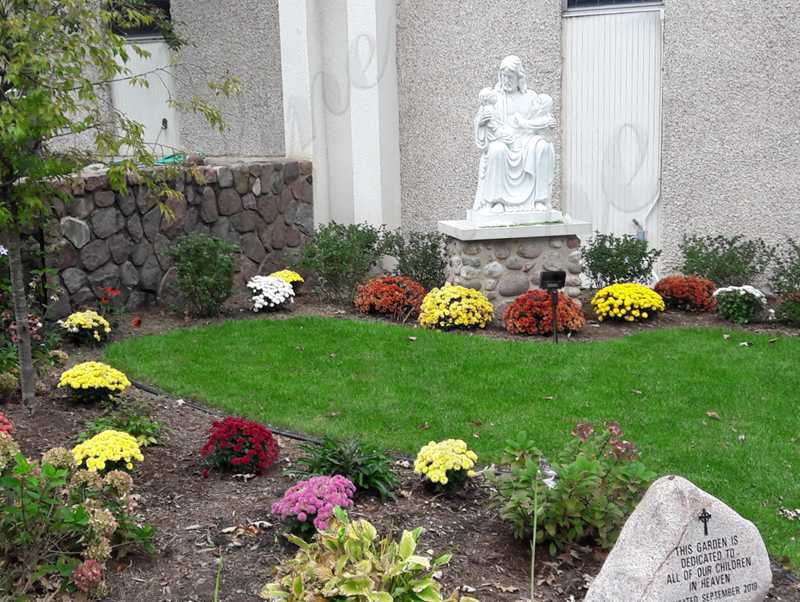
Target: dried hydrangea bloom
59, 457
8, 450
88, 575
102, 522
121, 482
99, 549
86, 478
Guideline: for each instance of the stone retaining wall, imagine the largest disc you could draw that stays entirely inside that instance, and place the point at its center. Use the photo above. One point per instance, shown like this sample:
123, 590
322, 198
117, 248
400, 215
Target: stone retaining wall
505, 268
105, 239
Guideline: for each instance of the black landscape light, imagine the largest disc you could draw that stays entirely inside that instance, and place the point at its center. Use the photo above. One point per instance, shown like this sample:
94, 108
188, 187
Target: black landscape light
552, 282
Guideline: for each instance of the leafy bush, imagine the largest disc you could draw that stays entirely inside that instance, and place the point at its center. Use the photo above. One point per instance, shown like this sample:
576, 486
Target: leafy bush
445, 464
107, 451
270, 292
740, 304
367, 468
595, 483
690, 293
611, 259
454, 306
239, 445
347, 562
91, 382
341, 256
9, 384
396, 296
128, 420
309, 504
205, 267
785, 278
58, 524
629, 302
725, 260
420, 256
532, 313
789, 308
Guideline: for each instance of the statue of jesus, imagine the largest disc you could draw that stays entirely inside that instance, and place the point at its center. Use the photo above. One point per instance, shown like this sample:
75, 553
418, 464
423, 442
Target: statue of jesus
517, 163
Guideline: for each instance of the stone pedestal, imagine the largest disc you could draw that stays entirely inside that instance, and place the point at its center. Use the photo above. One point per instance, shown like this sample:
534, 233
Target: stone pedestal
505, 261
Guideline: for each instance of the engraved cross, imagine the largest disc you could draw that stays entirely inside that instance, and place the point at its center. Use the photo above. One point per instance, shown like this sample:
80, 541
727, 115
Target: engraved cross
704, 517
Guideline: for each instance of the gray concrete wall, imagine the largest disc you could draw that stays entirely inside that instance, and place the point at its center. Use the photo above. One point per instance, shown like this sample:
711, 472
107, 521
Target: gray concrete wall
236, 37
447, 50
731, 150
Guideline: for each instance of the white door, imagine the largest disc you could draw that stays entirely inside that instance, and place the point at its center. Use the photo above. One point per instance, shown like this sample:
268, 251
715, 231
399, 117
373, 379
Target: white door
612, 119
149, 106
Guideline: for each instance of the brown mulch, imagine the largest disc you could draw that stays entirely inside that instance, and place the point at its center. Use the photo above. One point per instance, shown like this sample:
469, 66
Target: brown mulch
201, 520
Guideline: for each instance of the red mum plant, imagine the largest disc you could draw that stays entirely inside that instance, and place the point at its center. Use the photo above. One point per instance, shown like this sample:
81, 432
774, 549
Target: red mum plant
5, 424
531, 313
396, 296
239, 445
691, 293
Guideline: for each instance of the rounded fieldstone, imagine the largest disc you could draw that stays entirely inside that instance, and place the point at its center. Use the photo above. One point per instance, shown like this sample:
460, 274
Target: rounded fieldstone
514, 263
104, 198
471, 249
573, 291
58, 309
241, 180
208, 207
529, 250
126, 203
106, 222
494, 269
249, 201
472, 262
129, 275
222, 229
225, 177
490, 295
536, 278
141, 253
66, 254
161, 247
192, 219
120, 246
512, 285
151, 222
229, 202
190, 194
150, 275
293, 238
267, 206
476, 284
81, 207
95, 182
290, 171
95, 254
304, 219
552, 261
501, 251
573, 268
276, 184
172, 223
469, 273
244, 221
145, 200
490, 284
83, 297
169, 294
135, 227
285, 199
104, 277
556, 243
290, 214
278, 235
573, 280
76, 231
573, 243
252, 247
73, 279
137, 300
255, 189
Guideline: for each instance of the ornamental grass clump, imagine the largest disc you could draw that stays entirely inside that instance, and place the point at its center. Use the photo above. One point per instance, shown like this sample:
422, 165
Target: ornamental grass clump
291, 277
396, 296
454, 306
240, 446
92, 382
531, 313
107, 451
86, 327
689, 293
309, 504
740, 304
445, 464
347, 562
630, 302
269, 292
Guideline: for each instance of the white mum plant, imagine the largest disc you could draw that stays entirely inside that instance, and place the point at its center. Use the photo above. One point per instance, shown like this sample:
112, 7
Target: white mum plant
270, 292
740, 304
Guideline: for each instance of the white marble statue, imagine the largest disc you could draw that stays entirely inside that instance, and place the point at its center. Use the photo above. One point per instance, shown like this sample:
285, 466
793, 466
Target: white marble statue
517, 161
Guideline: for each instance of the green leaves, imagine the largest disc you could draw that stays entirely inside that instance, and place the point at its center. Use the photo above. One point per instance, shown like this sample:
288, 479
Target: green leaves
613, 259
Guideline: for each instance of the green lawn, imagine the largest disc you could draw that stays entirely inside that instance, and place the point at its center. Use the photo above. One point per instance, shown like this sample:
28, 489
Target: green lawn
342, 377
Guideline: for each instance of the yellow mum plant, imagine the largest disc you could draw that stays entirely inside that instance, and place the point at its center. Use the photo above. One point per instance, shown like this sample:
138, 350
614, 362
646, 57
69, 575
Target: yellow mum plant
453, 306
628, 301
94, 381
88, 326
107, 451
449, 462
288, 276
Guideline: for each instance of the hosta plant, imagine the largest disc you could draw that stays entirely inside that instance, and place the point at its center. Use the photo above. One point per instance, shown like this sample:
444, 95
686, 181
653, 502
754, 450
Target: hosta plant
596, 482
629, 301
309, 504
396, 296
86, 327
532, 313
239, 445
445, 464
270, 292
91, 382
740, 304
367, 468
689, 293
453, 306
347, 562
107, 451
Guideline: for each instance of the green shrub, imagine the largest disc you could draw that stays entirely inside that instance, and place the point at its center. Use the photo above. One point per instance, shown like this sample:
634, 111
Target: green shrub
789, 308
420, 255
785, 278
347, 562
341, 256
128, 419
740, 304
598, 482
613, 259
52, 516
367, 468
725, 260
205, 267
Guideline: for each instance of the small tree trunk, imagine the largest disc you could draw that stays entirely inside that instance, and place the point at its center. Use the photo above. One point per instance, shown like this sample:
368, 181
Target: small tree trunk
20, 298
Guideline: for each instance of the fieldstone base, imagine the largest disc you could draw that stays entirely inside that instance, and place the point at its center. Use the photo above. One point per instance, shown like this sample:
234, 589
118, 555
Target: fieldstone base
504, 268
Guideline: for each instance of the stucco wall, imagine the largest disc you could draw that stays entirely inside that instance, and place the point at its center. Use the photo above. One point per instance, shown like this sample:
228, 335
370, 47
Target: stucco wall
731, 152
447, 50
237, 37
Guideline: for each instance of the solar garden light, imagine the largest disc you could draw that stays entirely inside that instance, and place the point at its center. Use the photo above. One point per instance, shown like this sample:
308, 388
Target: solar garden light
552, 282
